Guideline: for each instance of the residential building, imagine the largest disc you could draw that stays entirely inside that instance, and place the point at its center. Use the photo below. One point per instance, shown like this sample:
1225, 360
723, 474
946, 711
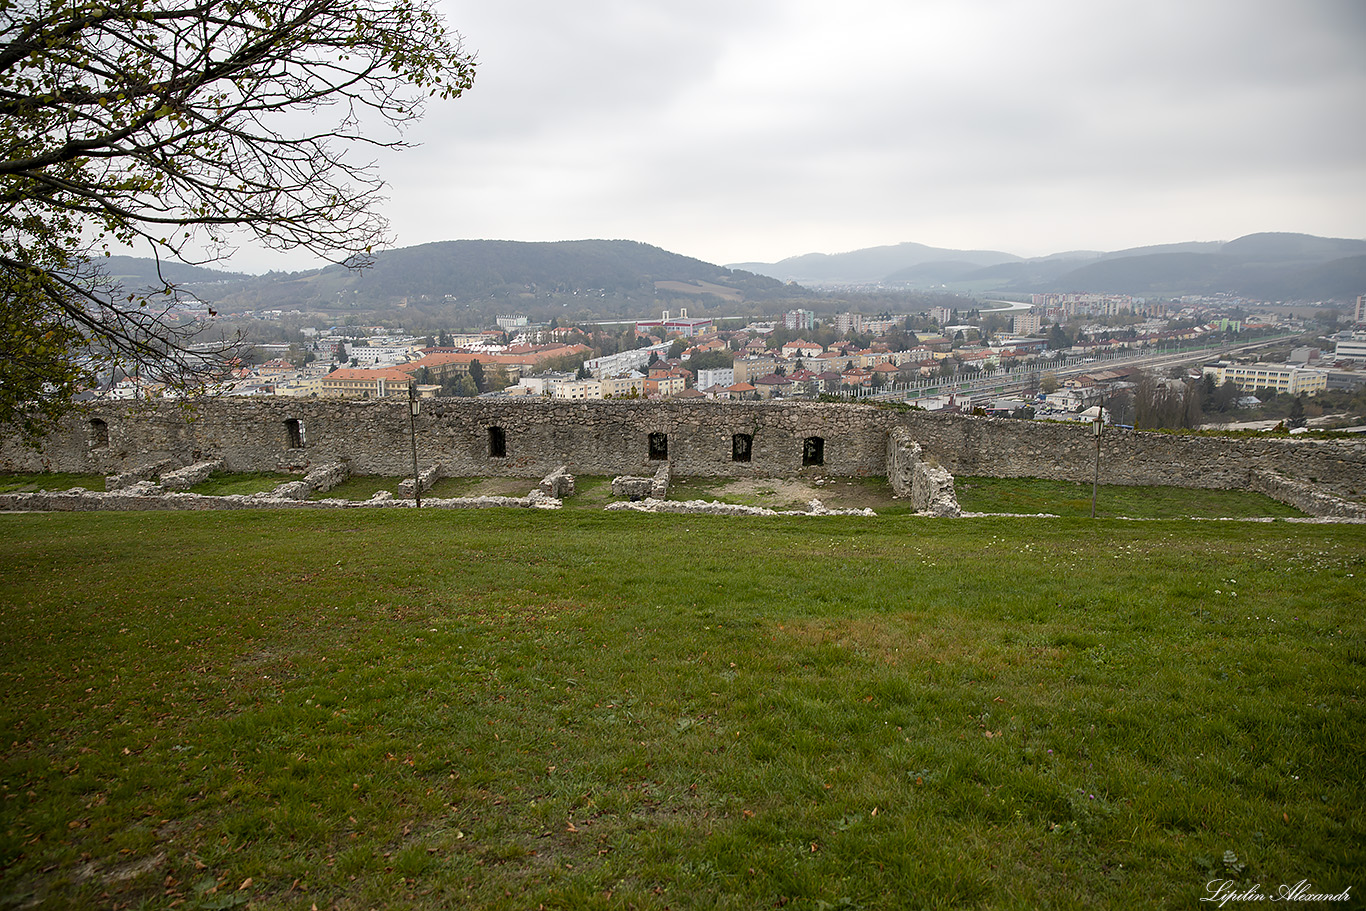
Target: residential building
717, 376
666, 384
876, 326
848, 322
801, 348
739, 391
800, 320
1028, 322
274, 369
302, 387
623, 385
623, 361
747, 370
579, 390
772, 386
829, 381
1278, 377
375, 353
941, 315
544, 383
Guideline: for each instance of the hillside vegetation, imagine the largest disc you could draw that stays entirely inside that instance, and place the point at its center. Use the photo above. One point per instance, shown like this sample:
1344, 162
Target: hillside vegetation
1269, 266
509, 271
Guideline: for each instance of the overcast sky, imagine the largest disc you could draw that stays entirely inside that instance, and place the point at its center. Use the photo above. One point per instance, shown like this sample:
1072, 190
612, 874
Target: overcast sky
752, 130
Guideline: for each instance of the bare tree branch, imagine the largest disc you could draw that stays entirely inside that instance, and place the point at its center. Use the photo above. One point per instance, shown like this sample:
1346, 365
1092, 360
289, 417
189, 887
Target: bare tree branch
122, 120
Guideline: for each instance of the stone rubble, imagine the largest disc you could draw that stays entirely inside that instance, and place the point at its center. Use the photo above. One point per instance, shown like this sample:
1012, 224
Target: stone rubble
559, 483
190, 475
426, 478
146, 496
638, 488
138, 473
717, 508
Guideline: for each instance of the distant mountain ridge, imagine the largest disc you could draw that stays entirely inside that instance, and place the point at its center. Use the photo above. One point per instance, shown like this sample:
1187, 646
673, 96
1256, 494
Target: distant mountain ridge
1267, 266
857, 264
1259, 266
477, 268
470, 270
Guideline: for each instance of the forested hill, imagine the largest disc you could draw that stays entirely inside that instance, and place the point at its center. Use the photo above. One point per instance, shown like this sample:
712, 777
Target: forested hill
1268, 266
142, 272
1261, 266
477, 269
472, 271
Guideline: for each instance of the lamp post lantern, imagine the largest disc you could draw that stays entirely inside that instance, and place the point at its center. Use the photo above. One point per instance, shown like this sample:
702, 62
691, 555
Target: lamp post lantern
1095, 481
414, 406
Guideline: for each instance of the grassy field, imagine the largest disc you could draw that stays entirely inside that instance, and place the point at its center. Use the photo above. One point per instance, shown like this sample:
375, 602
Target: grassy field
1024, 496
514, 709
223, 484
36, 481
1027, 496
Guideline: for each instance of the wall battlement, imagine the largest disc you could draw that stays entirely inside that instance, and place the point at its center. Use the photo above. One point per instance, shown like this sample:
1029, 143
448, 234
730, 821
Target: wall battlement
492, 438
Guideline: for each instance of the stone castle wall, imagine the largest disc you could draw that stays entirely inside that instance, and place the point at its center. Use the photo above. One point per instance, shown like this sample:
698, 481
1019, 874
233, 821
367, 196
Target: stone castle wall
1002, 447
695, 439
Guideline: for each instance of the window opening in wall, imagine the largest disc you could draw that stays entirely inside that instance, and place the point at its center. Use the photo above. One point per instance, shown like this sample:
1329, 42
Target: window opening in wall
294, 429
498, 443
99, 433
813, 451
741, 444
659, 446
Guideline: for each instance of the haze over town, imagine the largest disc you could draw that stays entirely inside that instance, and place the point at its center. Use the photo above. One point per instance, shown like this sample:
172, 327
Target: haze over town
763, 130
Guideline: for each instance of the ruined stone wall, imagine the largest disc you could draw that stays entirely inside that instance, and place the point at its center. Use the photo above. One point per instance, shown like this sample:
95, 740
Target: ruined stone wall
1001, 447
613, 438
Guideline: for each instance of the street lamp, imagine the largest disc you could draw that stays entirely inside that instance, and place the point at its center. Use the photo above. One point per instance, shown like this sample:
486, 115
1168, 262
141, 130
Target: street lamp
1095, 481
414, 406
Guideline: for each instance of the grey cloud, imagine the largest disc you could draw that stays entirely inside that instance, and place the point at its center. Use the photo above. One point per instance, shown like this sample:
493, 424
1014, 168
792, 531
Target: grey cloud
728, 130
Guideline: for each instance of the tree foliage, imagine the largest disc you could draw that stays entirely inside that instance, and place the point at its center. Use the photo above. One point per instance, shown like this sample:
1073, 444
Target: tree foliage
178, 128
1158, 404
711, 360
476, 375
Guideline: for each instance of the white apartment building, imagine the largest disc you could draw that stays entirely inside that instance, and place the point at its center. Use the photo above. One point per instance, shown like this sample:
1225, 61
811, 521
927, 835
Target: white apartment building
719, 376
374, 355
579, 390
610, 364
544, 383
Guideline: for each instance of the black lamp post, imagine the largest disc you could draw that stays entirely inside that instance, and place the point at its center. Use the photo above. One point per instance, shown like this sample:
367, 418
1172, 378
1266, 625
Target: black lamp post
1095, 481
414, 405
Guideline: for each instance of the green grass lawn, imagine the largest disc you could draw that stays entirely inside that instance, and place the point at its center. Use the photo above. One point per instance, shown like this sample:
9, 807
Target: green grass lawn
1027, 496
30, 482
513, 709
223, 484
360, 487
